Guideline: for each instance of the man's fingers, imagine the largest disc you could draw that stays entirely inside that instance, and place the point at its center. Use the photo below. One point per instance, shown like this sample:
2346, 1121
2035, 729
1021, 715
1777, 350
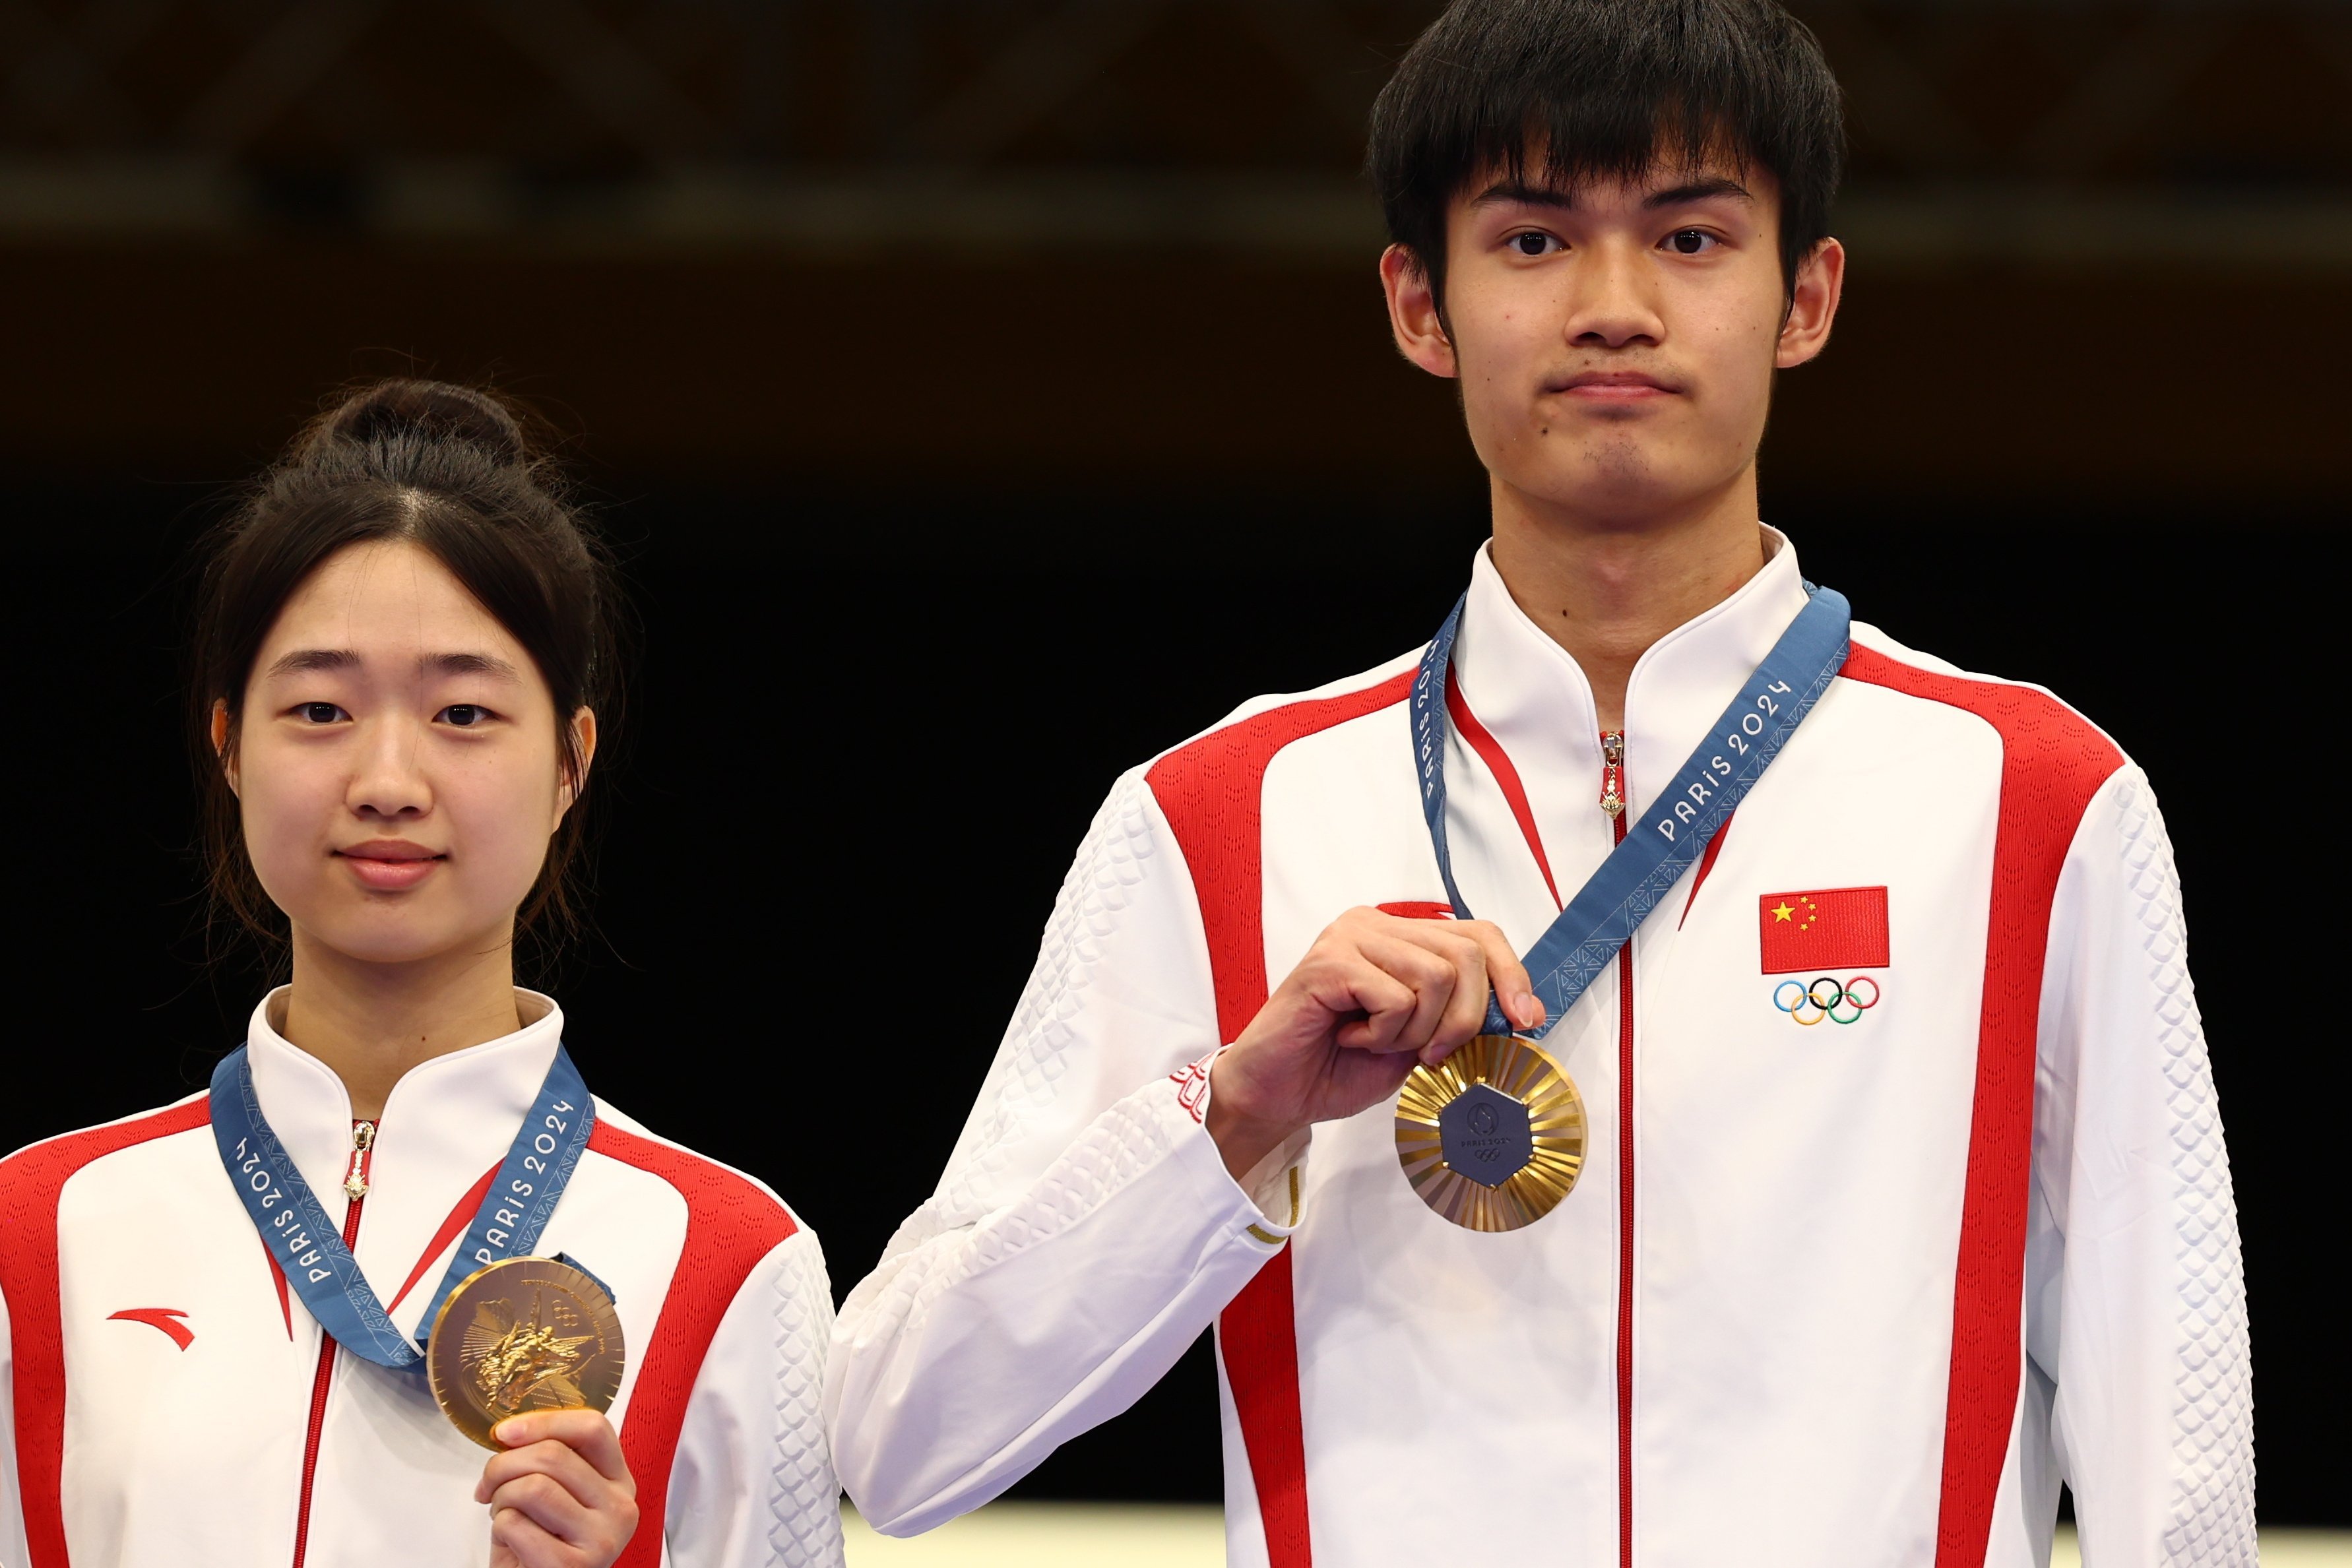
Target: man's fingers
1465, 1012
1432, 976
1386, 1000
1504, 974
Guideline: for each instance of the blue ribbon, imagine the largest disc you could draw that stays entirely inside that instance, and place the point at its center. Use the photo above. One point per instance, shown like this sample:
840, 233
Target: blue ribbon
309, 1248
1678, 823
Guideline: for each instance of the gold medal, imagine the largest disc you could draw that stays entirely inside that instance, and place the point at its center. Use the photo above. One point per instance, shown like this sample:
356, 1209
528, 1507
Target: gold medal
1492, 1138
528, 1333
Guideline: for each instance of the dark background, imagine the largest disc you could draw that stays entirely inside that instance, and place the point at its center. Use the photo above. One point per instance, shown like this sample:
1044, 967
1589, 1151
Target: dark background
986, 395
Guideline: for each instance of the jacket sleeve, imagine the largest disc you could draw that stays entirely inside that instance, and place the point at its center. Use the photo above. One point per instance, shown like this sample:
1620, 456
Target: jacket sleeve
751, 1482
2135, 1296
14, 1552
1084, 1231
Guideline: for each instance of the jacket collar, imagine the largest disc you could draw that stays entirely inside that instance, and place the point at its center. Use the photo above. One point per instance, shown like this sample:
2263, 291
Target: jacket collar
1526, 690
445, 1122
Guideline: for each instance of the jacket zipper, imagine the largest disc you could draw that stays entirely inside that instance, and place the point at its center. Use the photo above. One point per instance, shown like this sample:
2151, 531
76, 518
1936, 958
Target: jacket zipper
1613, 801
355, 1187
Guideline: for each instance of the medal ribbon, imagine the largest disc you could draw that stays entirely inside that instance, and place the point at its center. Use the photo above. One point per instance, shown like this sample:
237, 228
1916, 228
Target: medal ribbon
309, 1247
1678, 823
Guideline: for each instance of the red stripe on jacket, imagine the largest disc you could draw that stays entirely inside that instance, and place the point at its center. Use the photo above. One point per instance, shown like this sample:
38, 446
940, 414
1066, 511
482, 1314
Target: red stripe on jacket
731, 1224
1209, 790
2053, 761
30, 1182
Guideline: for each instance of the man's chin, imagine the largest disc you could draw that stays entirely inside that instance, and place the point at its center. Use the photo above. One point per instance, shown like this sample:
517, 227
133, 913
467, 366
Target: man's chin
1610, 482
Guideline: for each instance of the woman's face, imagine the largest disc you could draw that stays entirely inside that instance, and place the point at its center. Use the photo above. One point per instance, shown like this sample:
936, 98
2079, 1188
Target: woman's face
397, 761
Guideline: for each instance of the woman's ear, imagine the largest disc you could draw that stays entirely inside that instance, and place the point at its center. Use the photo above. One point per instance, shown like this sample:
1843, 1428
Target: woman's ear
220, 743
575, 772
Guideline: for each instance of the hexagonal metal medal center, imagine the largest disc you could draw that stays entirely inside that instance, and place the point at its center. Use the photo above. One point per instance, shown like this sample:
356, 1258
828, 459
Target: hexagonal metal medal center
1485, 1136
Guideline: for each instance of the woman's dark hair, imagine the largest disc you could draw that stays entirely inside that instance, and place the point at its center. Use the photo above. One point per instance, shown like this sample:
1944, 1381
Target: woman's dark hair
451, 470
1602, 89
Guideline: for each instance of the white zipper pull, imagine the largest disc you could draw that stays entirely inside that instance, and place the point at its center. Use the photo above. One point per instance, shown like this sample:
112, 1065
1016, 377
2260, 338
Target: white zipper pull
1612, 772
355, 1184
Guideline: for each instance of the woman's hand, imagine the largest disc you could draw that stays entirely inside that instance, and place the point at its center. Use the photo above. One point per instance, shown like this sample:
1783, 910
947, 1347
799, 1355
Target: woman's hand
560, 1496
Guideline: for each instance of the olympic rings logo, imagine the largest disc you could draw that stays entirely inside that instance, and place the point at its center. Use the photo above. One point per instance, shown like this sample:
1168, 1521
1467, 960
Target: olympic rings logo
1807, 1005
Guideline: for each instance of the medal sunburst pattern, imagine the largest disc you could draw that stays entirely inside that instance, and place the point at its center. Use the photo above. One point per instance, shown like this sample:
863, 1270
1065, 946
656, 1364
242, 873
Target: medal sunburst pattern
1521, 1070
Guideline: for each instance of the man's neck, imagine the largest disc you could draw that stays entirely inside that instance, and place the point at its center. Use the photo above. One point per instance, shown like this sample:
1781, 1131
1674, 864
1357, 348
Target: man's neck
1606, 588
371, 1022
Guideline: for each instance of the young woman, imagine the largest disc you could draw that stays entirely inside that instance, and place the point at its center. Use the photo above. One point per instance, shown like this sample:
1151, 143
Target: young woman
211, 1314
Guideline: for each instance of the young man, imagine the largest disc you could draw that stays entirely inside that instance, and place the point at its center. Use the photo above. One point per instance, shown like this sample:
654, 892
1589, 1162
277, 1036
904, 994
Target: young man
1903, 1195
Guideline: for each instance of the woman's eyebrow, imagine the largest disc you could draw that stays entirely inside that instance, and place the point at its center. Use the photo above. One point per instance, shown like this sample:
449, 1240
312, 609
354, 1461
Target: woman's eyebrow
473, 664
303, 659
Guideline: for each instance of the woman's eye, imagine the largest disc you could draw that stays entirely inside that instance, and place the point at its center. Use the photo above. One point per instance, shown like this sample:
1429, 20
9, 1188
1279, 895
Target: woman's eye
463, 715
1690, 242
1533, 243
320, 713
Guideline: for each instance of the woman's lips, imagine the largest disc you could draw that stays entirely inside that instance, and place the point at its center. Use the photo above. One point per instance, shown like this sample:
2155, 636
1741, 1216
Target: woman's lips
389, 866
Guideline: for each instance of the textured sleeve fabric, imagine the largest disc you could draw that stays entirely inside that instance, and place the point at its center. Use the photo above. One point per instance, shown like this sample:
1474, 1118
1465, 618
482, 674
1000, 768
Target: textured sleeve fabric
13, 1551
751, 1482
2136, 1295
1084, 1231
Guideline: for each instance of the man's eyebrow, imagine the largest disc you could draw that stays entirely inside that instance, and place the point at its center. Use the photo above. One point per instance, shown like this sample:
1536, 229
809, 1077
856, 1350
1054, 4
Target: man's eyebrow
1518, 193
1698, 191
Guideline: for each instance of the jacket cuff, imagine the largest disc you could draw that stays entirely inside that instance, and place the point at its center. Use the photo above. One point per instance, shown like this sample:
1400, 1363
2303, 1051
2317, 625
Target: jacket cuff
1275, 1186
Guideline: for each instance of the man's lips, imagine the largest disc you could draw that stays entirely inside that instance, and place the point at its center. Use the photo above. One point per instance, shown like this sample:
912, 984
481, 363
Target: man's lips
1614, 386
390, 864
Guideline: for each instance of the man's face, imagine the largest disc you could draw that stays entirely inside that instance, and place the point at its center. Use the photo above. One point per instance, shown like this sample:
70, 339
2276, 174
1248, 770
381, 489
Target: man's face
1616, 343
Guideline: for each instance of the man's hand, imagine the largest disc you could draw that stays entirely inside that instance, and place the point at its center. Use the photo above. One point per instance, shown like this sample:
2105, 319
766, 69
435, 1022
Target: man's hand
560, 1496
1375, 994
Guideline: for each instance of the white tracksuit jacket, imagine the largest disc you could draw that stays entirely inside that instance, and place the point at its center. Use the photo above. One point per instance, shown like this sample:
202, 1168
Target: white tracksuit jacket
166, 1399
1844, 1294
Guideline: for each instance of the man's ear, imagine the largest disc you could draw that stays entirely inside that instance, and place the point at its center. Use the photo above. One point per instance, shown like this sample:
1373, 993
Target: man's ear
1812, 305
220, 743
1414, 315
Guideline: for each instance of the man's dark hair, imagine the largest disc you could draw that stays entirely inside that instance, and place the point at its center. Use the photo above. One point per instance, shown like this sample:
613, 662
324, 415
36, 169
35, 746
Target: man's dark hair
1603, 89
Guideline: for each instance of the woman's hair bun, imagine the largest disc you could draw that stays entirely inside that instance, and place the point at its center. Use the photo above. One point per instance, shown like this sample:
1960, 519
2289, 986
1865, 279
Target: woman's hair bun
389, 409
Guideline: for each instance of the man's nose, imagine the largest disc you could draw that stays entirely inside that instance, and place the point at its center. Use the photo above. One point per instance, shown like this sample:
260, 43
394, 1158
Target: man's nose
1611, 306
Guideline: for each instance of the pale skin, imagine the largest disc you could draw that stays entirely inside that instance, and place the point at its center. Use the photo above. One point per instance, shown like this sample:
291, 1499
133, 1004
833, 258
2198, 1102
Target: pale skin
397, 769
1615, 345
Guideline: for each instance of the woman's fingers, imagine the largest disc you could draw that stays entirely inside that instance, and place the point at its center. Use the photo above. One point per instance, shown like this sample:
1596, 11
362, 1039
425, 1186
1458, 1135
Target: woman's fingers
519, 1539
585, 1432
556, 1462
561, 1495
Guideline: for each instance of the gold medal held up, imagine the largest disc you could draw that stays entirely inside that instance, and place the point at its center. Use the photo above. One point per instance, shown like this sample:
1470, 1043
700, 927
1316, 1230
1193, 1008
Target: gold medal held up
524, 1334
1493, 1137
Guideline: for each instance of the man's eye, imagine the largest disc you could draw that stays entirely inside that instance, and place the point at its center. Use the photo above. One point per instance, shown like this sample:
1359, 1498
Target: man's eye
1533, 243
320, 713
1690, 242
463, 715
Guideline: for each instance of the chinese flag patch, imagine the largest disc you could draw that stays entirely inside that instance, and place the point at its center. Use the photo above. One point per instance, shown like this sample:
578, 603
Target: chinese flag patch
1828, 928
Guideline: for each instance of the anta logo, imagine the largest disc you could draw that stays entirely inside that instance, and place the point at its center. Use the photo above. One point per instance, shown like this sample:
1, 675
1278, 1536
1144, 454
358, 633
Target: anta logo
1823, 931
167, 1319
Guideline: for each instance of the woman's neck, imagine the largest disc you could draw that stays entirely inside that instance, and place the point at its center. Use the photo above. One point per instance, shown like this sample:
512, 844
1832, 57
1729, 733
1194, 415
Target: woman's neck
371, 1022
1605, 590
